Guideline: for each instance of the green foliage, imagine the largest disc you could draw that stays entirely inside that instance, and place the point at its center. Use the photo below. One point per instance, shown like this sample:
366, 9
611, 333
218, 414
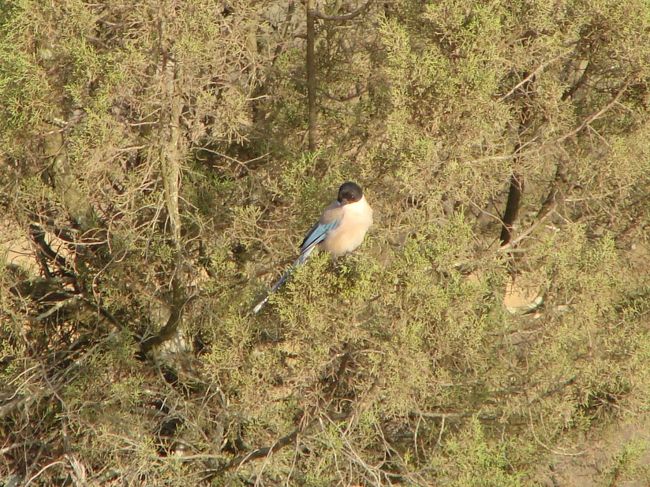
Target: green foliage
23, 84
469, 460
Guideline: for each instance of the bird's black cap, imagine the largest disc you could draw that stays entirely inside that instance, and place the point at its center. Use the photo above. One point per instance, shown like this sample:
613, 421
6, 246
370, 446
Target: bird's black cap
349, 192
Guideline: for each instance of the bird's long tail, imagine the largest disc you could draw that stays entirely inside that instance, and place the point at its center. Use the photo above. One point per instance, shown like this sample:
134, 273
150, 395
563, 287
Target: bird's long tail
299, 261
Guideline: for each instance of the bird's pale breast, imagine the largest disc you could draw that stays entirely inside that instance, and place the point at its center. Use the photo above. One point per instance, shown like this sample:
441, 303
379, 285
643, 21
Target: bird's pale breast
350, 233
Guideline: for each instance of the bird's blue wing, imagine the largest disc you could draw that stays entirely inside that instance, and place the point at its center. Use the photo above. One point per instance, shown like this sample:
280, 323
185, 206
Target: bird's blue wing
317, 234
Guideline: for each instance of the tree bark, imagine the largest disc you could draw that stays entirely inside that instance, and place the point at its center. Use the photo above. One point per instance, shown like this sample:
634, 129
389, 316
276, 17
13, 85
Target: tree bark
171, 158
311, 76
512, 207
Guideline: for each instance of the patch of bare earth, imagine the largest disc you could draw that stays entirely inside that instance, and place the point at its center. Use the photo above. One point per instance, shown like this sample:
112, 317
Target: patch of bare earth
617, 455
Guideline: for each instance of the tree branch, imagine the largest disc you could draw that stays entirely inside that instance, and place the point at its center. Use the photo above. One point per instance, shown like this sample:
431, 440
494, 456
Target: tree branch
598, 114
534, 73
348, 16
512, 207
167, 332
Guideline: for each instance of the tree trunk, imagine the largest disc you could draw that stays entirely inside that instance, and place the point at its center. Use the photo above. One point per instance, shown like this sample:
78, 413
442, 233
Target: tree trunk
311, 76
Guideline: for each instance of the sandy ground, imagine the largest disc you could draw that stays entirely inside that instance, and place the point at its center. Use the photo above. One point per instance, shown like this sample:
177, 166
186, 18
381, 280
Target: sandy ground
597, 459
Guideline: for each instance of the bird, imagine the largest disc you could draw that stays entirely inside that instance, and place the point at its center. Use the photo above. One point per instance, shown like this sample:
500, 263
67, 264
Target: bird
339, 231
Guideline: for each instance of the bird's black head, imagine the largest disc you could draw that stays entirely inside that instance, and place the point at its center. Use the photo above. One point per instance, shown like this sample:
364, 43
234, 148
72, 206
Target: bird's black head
349, 192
